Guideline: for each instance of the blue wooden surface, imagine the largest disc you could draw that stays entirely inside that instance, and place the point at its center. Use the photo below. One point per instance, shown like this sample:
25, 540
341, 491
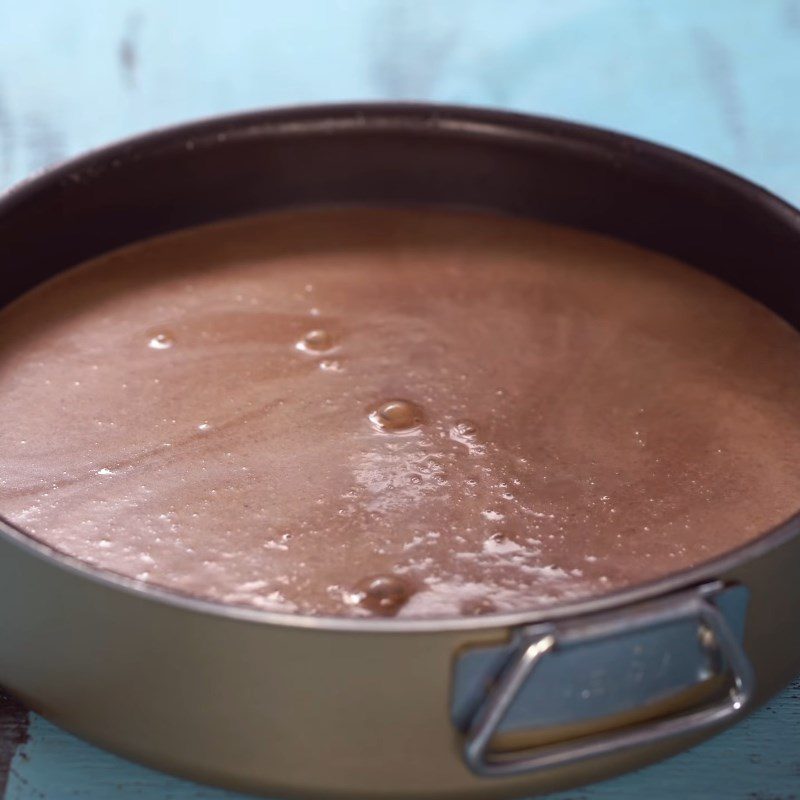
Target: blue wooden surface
718, 78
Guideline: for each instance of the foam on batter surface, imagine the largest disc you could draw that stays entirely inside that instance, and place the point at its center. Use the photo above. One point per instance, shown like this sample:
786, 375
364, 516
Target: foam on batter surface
384, 412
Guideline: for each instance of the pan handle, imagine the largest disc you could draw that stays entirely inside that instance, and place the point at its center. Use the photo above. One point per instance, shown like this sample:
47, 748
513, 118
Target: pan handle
538, 644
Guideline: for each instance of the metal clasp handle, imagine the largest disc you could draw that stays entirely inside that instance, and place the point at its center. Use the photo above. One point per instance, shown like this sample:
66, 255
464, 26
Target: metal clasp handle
538, 643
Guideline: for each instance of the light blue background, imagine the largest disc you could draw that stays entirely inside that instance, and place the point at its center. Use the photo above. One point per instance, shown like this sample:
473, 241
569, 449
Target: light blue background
718, 78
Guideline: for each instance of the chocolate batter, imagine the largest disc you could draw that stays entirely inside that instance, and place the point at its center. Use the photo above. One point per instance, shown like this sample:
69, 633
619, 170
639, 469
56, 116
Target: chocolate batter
409, 413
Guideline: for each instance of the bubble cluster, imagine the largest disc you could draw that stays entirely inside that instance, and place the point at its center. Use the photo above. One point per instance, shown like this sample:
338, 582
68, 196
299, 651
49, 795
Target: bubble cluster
396, 416
465, 429
466, 432
316, 341
162, 340
382, 594
477, 606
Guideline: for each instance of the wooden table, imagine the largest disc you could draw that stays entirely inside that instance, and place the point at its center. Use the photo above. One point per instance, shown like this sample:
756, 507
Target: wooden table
719, 78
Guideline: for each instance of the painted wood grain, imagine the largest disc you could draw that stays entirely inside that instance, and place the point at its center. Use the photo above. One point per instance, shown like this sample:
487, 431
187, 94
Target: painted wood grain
13, 734
720, 79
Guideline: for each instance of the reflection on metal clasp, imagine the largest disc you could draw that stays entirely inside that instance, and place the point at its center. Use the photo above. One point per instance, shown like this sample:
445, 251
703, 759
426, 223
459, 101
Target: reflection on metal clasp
540, 643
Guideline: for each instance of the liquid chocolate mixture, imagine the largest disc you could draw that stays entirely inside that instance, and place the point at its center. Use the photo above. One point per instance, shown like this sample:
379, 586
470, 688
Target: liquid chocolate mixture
408, 413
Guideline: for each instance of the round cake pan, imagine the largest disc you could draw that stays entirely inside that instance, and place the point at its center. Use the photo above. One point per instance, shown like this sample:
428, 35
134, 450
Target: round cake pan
491, 707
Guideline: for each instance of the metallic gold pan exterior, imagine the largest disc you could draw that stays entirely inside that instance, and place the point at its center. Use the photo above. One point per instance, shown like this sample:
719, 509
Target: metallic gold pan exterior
291, 711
